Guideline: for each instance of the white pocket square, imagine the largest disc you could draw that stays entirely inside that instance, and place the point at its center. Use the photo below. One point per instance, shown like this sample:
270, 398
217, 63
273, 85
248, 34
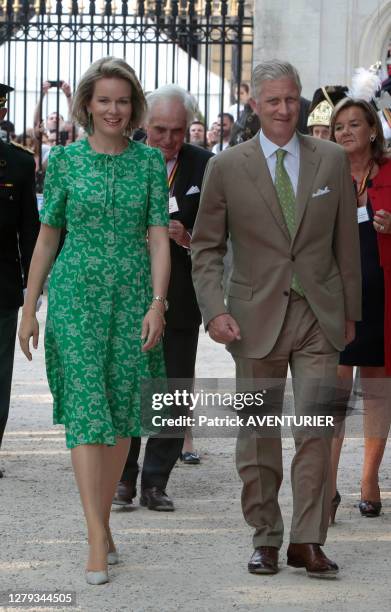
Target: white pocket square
192, 190
321, 191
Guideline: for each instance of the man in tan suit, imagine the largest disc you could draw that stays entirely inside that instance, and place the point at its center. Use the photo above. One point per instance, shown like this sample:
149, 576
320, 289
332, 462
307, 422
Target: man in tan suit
288, 204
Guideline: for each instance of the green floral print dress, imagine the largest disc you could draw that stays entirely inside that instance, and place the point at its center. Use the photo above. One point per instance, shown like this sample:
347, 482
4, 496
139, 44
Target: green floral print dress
100, 287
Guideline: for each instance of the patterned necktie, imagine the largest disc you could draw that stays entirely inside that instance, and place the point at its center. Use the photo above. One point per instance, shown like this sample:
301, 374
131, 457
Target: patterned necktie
287, 199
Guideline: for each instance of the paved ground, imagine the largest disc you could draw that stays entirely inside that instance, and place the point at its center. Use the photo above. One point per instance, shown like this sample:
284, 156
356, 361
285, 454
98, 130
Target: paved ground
194, 559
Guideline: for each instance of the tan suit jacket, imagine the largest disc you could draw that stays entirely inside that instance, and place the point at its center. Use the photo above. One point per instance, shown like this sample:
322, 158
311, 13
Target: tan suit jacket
239, 198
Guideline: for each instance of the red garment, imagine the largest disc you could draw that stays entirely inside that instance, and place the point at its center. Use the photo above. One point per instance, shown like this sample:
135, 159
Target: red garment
380, 196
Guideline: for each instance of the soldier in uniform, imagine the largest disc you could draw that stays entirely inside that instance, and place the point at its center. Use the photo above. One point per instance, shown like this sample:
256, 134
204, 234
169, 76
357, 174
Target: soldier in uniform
322, 106
19, 226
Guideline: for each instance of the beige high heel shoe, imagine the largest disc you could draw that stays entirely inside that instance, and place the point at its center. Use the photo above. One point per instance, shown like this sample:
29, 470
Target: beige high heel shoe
97, 577
112, 558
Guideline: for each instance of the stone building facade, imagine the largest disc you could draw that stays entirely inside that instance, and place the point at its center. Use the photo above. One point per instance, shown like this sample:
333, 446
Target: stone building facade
325, 39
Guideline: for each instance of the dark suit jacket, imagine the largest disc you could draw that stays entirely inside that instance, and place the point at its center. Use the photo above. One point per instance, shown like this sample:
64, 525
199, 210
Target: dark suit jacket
303, 115
183, 309
19, 223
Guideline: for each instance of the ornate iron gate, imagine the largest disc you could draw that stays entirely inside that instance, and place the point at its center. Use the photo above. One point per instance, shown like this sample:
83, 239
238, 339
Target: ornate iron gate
203, 45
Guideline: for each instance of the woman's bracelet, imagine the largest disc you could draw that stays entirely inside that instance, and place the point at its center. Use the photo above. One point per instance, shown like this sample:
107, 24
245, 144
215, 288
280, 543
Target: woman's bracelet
152, 307
161, 300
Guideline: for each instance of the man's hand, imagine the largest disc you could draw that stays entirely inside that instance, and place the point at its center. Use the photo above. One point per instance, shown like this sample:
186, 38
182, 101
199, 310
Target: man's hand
350, 331
66, 89
45, 87
178, 233
224, 329
39, 130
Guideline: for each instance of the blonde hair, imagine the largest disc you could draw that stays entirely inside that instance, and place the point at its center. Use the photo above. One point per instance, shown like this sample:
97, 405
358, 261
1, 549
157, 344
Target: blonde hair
108, 68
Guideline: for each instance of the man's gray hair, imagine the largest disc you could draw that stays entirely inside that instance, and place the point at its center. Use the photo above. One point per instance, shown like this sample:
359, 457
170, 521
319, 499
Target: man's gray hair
173, 92
270, 71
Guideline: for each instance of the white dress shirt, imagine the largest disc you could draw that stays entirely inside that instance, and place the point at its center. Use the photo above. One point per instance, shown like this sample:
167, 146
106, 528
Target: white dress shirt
218, 148
170, 164
291, 159
233, 110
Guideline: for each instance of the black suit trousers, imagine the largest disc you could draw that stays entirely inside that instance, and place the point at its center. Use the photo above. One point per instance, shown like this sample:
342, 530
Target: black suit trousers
8, 323
161, 453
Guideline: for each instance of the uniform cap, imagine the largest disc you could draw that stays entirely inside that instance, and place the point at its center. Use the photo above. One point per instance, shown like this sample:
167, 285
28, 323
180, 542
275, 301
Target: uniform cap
4, 90
323, 102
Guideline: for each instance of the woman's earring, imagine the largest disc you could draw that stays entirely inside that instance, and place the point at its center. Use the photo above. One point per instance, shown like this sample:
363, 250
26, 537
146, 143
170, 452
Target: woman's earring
372, 138
90, 124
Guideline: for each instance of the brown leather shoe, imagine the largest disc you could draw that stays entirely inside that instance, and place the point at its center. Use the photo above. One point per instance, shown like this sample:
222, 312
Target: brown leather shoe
124, 494
156, 499
264, 560
312, 557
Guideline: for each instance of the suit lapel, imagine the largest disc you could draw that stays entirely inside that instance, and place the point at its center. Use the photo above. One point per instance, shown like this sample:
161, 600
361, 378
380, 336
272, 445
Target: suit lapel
309, 163
256, 166
183, 175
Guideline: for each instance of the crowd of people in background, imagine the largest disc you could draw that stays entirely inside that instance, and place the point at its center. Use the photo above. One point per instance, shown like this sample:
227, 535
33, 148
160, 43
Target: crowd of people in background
235, 125
57, 129
45, 133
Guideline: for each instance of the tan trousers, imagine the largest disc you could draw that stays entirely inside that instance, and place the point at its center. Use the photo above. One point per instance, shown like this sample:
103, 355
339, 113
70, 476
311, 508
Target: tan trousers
313, 362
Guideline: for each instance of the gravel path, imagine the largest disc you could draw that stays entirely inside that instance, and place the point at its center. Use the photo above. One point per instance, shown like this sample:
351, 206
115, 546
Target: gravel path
193, 559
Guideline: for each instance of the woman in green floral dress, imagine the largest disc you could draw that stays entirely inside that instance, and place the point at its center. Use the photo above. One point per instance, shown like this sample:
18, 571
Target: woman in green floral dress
107, 288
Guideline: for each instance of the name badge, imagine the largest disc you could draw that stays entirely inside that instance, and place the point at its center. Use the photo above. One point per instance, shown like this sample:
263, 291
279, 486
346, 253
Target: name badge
362, 214
39, 201
172, 205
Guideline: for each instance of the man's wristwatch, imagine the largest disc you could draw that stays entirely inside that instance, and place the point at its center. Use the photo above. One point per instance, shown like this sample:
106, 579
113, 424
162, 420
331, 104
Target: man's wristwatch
159, 298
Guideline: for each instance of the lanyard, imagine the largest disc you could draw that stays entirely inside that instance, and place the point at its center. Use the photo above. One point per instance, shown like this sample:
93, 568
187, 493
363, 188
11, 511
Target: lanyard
364, 183
171, 177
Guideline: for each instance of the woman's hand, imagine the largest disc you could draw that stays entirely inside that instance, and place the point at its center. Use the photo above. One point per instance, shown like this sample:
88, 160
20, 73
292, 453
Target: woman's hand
382, 222
153, 327
28, 327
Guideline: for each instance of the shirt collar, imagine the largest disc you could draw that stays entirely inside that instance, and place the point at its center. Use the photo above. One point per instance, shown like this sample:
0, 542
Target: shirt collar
269, 148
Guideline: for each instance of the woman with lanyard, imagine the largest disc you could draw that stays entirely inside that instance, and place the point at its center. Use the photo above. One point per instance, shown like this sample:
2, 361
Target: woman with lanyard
355, 125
